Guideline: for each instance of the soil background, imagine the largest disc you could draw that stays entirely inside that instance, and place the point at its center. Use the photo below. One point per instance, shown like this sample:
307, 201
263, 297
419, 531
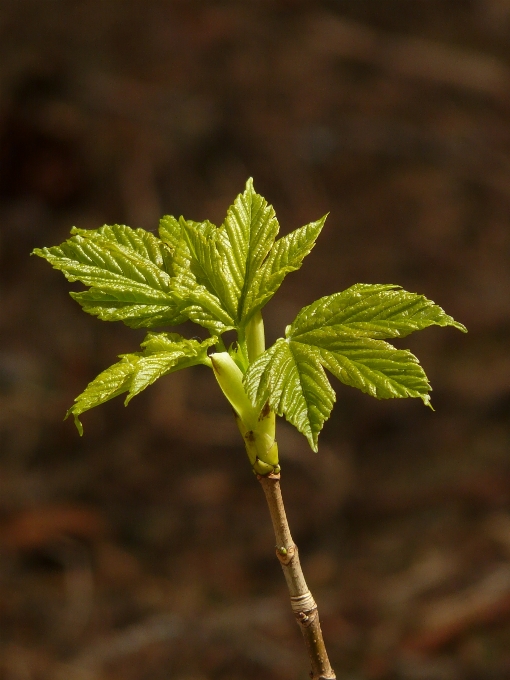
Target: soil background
143, 551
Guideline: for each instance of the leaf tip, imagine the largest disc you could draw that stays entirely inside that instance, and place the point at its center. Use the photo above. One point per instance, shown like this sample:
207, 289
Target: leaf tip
426, 400
459, 326
77, 421
313, 440
79, 426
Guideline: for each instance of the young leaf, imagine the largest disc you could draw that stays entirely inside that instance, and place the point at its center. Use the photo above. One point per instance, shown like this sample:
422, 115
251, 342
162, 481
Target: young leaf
342, 333
170, 231
197, 270
217, 266
207, 264
245, 240
373, 366
290, 377
162, 353
226, 274
286, 256
165, 353
376, 311
128, 271
110, 383
199, 303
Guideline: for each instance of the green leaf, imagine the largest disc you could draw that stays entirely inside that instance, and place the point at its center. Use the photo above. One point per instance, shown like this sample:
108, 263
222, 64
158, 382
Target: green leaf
226, 274
290, 377
208, 266
376, 311
170, 231
245, 240
110, 383
286, 256
342, 333
225, 260
198, 302
129, 273
373, 366
163, 353
223, 276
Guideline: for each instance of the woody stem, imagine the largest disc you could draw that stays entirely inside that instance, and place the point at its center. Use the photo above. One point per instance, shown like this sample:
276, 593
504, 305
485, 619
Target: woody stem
302, 602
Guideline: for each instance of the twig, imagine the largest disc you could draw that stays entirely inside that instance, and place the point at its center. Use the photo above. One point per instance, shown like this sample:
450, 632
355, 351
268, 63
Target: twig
302, 602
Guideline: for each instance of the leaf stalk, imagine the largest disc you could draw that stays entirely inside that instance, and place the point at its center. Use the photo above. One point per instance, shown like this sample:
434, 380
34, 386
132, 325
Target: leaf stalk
255, 337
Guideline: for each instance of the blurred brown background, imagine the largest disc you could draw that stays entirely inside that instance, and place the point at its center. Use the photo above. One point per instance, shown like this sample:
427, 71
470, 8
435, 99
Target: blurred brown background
144, 551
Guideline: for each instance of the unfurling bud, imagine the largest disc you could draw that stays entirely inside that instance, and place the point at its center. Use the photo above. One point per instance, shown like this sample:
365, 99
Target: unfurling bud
257, 427
230, 379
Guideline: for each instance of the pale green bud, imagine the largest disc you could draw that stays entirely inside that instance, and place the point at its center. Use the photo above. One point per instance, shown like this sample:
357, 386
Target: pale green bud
230, 379
256, 427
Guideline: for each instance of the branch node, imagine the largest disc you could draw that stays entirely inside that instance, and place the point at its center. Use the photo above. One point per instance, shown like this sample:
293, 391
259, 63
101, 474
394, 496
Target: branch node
303, 604
286, 555
272, 476
306, 618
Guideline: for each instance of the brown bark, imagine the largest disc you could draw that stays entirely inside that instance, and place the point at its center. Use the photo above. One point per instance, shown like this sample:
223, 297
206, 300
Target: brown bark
302, 602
